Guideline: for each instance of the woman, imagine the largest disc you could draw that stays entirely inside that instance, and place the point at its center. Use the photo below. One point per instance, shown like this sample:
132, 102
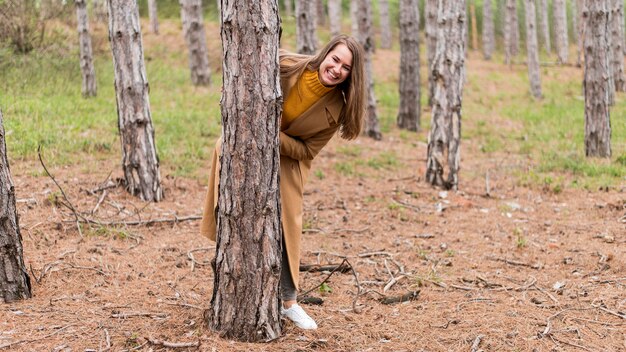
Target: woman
323, 93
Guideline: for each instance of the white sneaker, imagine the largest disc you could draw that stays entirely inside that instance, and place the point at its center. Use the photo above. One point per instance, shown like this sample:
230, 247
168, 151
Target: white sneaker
296, 314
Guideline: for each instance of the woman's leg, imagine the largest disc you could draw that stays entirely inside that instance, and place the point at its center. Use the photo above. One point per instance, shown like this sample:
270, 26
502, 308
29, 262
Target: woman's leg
288, 292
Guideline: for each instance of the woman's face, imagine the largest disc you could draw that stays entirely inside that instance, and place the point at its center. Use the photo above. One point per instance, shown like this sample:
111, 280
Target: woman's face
336, 66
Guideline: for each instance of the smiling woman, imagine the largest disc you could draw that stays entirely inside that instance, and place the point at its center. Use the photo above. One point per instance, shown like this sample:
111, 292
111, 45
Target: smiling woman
323, 94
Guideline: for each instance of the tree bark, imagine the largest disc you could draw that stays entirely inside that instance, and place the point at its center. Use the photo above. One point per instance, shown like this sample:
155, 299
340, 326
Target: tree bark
474, 26
532, 50
581, 32
431, 43
14, 280
154, 17
354, 17
245, 303
596, 84
288, 7
515, 35
449, 73
139, 157
100, 10
617, 41
321, 13
385, 25
88, 71
334, 15
511, 31
306, 36
560, 30
489, 39
364, 14
195, 37
544, 25
409, 111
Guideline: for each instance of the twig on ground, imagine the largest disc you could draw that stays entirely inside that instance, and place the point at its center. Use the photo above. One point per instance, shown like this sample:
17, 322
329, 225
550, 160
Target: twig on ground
405, 204
138, 314
548, 330
393, 281
476, 343
371, 254
345, 261
604, 309
351, 230
100, 200
514, 262
186, 305
329, 267
475, 300
194, 262
410, 296
547, 294
37, 339
464, 288
445, 326
173, 344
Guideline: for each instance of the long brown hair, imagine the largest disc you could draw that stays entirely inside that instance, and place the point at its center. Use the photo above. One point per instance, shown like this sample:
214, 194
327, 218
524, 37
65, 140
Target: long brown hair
353, 88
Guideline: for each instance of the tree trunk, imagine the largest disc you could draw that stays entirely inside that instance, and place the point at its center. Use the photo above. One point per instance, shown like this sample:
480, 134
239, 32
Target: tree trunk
364, 14
385, 25
100, 10
154, 17
544, 25
409, 111
532, 49
354, 18
321, 13
288, 7
474, 26
489, 39
596, 84
560, 30
139, 157
306, 37
86, 53
449, 72
515, 35
245, 303
431, 44
581, 32
195, 37
14, 280
511, 32
617, 41
334, 15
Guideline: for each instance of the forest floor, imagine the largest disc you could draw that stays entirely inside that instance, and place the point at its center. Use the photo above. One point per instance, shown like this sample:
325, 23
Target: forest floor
496, 266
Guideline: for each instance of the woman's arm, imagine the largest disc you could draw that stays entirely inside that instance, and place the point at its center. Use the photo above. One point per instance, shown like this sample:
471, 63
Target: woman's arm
305, 150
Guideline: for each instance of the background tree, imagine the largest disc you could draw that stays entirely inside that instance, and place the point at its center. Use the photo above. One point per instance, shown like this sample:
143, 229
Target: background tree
14, 280
86, 53
385, 24
532, 49
544, 25
489, 38
321, 12
510, 31
409, 111
560, 30
354, 18
334, 16
195, 37
154, 17
581, 31
288, 7
472, 7
448, 72
431, 43
245, 292
617, 42
100, 10
365, 36
139, 157
306, 36
596, 83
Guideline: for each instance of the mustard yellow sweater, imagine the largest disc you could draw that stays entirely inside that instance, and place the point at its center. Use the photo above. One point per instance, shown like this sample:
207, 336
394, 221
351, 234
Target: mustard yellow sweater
302, 96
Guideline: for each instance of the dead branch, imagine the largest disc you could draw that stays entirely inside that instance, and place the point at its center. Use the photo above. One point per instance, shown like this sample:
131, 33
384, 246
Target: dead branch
476, 343
153, 315
37, 339
325, 280
445, 326
193, 260
104, 194
372, 254
409, 296
513, 262
176, 219
393, 281
329, 267
186, 305
547, 294
173, 344
405, 204
351, 230
604, 309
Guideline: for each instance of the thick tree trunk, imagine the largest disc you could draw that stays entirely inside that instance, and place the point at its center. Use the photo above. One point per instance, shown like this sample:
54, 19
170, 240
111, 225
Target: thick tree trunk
544, 25
449, 73
306, 36
560, 30
474, 26
431, 43
154, 17
245, 303
321, 13
195, 37
288, 7
409, 111
581, 32
385, 24
532, 49
14, 281
86, 53
334, 15
139, 157
617, 41
489, 39
366, 39
596, 84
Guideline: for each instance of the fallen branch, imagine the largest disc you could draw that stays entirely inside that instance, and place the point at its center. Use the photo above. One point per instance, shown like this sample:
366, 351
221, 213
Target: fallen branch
194, 262
37, 339
514, 262
138, 314
372, 254
326, 279
330, 267
176, 219
617, 314
173, 344
405, 204
410, 296
476, 343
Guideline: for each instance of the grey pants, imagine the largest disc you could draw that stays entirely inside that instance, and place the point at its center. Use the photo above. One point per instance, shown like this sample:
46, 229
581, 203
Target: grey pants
288, 290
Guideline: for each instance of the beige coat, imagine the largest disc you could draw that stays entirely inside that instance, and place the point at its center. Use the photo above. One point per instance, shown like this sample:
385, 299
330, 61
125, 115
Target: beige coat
300, 142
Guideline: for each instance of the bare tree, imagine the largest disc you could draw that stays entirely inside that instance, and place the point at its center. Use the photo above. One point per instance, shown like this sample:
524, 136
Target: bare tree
154, 17
431, 43
364, 14
409, 111
560, 30
385, 24
89, 88
532, 49
596, 84
139, 157
245, 303
449, 72
334, 15
195, 37
544, 25
14, 281
306, 36
321, 13
489, 38
617, 42
288, 7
